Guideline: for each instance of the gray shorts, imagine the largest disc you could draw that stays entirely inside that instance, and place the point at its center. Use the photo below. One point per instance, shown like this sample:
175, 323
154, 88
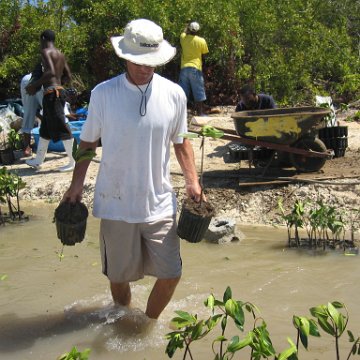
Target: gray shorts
131, 251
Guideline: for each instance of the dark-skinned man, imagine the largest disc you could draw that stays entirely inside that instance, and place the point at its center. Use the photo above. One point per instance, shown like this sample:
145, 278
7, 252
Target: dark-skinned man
54, 125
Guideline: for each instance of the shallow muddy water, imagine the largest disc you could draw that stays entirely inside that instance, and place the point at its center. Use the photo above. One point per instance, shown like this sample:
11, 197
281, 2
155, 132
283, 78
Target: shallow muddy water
47, 305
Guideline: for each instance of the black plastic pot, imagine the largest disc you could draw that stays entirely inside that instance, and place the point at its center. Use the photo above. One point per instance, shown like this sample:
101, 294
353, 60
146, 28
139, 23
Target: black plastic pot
335, 138
192, 226
7, 156
70, 220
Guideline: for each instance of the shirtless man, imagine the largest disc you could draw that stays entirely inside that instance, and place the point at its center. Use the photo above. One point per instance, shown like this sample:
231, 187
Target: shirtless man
54, 125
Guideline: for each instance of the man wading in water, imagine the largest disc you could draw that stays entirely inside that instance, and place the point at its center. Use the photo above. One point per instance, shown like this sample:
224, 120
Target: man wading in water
138, 115
54, 125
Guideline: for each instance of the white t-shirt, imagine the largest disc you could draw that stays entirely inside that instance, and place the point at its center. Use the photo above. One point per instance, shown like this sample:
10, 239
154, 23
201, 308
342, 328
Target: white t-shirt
133, 182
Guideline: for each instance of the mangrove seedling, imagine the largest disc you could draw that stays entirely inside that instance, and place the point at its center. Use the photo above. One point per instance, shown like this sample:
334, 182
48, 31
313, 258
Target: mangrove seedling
10, 186
80, 154
330, 318
205, 131
190, 329
14, 140
294, 219
74, 354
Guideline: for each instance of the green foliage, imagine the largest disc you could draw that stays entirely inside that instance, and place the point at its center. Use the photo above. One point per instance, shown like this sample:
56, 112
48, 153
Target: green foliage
14, 139
292, 49
354, 117
324, 223
205, 131
74, 354
83, 154
10, 185
189, 328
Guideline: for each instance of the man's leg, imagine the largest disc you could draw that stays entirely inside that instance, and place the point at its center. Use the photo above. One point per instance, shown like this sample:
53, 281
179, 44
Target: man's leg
121, 293
199, 108
160, 296
26, 138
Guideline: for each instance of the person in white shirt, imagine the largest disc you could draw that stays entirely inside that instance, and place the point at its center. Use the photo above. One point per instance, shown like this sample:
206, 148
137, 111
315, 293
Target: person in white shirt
138, 115
32, 105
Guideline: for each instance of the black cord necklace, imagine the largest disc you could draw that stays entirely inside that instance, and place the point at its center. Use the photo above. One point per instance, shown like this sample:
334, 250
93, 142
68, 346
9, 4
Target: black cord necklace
143, 102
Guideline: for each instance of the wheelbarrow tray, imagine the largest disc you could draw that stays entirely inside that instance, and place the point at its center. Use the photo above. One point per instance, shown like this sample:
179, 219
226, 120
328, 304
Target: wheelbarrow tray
279, 126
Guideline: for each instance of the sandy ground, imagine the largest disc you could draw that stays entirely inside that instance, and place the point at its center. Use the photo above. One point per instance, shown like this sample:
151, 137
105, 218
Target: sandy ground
235, 189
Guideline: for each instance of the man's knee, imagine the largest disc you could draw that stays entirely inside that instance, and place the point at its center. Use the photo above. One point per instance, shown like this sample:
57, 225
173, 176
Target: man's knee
170, 283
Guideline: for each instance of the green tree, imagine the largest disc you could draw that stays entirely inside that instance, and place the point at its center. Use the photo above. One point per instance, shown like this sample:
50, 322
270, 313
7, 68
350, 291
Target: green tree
291, 49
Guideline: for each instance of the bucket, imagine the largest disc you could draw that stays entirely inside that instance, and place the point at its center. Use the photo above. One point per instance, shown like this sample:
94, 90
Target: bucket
335, 138
7, 156
192, 225
70, 220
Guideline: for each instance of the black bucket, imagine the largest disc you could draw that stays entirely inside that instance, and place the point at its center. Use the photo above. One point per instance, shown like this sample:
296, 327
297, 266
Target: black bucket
335, 138
7, 156
70, 220
192, 226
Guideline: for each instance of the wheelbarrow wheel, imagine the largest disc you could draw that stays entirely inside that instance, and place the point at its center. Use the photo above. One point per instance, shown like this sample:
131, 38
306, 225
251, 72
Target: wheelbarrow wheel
305, 163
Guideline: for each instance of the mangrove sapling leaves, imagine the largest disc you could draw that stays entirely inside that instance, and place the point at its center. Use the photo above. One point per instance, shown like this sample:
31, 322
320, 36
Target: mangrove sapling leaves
184, 319
210, 131
326, 326
290, 353
3, 277
218, 303
338, 305
84, 154
351, 336
231, 307
220, 338
314, 330
227, 294
74, 354
356, 344
210, 302
302, 324
176, 341
262, 345
236, 344
334, 314
330, 319
206, 131
249, 307
197, 330
213, 321
61, 253
223, 323
338, 318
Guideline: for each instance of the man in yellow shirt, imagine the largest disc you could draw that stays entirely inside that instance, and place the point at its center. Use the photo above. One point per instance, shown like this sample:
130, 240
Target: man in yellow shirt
191, 77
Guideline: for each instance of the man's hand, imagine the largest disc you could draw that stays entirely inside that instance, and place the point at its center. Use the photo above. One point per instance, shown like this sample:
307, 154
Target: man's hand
193, 191
72, 195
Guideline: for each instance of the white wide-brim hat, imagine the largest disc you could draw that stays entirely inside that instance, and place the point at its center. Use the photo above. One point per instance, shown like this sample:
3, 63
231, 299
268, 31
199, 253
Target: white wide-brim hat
143, 44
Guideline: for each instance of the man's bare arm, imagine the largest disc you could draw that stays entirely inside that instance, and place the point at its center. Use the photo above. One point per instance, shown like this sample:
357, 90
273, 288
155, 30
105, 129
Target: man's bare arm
74, 193
185, 156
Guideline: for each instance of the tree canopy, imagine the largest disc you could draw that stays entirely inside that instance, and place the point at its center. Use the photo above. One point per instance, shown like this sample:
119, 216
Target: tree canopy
290, 48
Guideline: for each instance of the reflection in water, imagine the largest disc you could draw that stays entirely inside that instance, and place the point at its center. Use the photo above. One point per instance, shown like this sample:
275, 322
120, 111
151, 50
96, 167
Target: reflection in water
48, 306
